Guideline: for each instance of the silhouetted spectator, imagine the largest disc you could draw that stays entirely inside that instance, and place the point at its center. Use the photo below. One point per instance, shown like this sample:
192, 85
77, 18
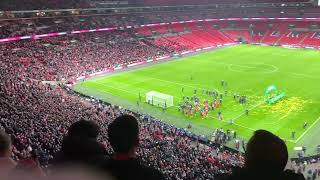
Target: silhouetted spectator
7, 164
80, 146
28, 168
265, 159
123, 135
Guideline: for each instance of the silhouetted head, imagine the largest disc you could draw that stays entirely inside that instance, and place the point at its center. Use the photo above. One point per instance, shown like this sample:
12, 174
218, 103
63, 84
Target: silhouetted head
5, 144
123, 134
84, 128
266, 152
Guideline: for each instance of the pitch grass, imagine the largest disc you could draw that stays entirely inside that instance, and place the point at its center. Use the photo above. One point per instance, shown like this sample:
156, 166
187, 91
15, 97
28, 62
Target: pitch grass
249, 70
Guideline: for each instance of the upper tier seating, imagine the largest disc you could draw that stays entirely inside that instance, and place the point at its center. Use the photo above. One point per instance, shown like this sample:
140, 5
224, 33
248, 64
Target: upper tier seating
291, 38
191, 2
236, 34
312, 39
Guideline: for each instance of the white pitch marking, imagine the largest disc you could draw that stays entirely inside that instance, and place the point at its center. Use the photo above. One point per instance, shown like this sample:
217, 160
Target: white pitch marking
304, 75
112, 88
275, 68
257, 105
181, 84
304, 133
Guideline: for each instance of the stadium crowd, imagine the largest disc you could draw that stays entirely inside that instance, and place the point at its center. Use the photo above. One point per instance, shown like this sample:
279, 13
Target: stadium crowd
61, 58
11, 5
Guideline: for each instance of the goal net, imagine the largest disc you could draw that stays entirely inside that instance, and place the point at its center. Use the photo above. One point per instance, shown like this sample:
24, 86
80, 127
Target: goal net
159, 99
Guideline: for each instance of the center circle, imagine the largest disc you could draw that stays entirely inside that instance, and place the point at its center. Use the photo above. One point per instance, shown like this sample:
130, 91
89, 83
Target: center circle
253, 68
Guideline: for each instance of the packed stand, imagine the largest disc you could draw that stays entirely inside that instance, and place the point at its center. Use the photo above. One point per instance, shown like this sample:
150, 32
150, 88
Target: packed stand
12, 5
206, 2
62, 58
11, 27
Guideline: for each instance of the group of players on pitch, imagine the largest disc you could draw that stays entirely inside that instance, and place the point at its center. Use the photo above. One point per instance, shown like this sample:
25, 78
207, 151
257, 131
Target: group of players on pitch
191, 106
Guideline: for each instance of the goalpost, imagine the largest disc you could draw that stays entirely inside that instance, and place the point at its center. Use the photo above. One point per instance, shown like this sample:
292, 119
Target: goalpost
159, 99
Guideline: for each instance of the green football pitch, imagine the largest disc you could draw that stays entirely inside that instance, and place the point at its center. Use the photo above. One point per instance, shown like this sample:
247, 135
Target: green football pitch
248, 70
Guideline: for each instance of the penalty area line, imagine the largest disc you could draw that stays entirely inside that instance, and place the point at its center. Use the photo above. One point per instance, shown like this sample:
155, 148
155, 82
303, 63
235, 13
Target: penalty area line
236, 124
305, 132
182, 84
254, 107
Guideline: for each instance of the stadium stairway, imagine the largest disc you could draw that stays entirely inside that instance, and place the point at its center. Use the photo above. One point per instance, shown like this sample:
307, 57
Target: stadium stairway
310, 40
256, 38
235, 34
154, 45
205, 36
176, 44
181, 41
219, 37
264, 37
304, 38
289, 39
270, 39
282, 36
172, 45
190, 40
226, 35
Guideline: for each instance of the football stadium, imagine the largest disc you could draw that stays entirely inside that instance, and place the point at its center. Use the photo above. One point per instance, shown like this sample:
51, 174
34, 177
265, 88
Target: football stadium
154, 89
248, 71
